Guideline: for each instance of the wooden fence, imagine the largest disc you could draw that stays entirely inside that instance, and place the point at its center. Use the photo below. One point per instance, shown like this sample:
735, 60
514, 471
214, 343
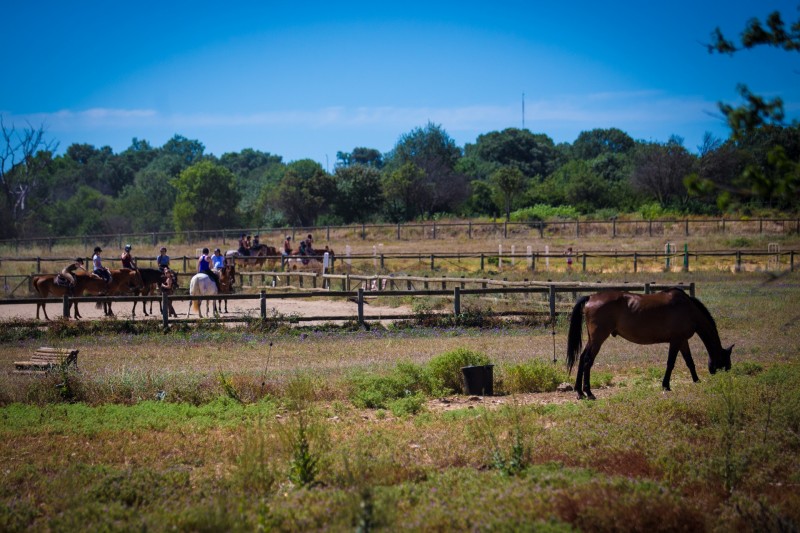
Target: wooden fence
550, 289
436, 230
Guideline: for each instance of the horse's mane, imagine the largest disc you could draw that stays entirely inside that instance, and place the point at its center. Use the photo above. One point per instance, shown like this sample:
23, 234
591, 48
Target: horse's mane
705, 311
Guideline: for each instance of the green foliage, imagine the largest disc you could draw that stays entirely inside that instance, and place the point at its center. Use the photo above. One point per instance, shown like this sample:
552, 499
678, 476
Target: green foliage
405, 381
304, 465
540, 212
407, 405
206, 192
446, 368
535, 376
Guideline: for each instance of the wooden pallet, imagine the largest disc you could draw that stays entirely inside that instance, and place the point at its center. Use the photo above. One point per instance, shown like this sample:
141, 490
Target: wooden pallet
46, 359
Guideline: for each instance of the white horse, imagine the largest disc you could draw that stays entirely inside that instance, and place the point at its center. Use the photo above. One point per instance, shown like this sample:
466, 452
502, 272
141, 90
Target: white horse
202, 285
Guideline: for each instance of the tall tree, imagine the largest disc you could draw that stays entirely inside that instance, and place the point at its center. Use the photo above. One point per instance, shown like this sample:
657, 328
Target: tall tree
533, 154
305, 192
778, 181
406, 190
358, 193
593, 143
24, 156
509, 182
436, 154
659, 170
206, 197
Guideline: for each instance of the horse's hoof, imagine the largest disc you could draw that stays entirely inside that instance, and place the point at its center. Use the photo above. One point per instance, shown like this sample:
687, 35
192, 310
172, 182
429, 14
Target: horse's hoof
666, 388
590, 396
581, 396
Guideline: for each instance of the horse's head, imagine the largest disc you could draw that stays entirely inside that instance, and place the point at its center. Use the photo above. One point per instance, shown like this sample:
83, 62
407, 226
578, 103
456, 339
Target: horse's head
722, 361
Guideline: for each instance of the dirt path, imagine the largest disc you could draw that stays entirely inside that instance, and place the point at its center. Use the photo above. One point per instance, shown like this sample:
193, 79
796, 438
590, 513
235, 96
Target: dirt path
288, 307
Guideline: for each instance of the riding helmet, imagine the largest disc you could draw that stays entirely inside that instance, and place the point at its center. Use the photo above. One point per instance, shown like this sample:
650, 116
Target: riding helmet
128, 247
97, 249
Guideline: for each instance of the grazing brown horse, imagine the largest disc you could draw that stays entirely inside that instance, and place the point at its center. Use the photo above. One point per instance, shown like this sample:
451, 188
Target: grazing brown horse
122, 282
670, 316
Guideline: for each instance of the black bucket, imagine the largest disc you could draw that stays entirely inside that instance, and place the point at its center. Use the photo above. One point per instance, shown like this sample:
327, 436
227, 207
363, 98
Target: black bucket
478, 380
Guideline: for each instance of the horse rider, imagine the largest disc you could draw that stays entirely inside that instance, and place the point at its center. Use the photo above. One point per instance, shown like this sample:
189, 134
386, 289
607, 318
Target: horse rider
256, 243
162, 259
127, 259
68, 272
204, 267
287, 246
97, 266
217, 260
248, 245
310, 245
243, 249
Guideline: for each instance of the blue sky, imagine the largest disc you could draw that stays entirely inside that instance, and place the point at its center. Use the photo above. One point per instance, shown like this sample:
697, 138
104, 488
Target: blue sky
308, 79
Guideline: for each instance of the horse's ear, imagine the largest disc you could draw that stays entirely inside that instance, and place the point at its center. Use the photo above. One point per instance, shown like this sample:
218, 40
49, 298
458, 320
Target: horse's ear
730, 349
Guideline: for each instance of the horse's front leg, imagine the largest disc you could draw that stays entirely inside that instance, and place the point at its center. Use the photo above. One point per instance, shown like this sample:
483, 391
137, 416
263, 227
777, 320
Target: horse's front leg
673, 355
687, 357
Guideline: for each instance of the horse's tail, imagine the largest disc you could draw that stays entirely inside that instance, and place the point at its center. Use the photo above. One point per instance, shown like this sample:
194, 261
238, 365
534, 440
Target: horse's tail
37, 281
195, 303
574, 343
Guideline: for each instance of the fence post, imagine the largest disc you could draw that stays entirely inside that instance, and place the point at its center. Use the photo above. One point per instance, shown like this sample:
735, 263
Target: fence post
791, 261
482, 260
38, 264
614, 227
263, 304
328, 233
552, 302
738, 267
432, 265
363, 231
381, 261
686, 227
650, 227
66, 305
469, 229
584, 261
761, 225
505, 230
457, 300
165, 310
691, 289
541, 230
577, 228
686, 257
635, 262
361, 306
398, 231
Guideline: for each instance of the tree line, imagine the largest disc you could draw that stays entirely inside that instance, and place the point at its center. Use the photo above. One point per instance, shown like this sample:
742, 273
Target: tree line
513, 173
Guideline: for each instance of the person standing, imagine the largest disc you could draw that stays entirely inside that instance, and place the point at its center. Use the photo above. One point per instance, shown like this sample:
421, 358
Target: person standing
287, 246
568, 253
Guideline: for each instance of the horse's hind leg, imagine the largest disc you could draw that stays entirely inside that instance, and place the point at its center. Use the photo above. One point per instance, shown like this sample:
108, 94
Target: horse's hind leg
585, 368
579, 376
687, 357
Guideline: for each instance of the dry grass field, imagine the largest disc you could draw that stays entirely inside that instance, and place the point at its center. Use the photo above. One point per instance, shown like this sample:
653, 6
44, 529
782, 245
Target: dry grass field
288, 428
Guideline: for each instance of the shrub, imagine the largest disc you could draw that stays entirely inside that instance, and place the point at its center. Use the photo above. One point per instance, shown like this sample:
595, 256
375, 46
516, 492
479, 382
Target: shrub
446, 368
536, 376
408, 405
405, 380
544, 212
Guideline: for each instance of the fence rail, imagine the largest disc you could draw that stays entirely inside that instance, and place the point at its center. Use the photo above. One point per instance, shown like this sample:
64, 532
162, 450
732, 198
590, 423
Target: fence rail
549, 289
433, 230
533, 261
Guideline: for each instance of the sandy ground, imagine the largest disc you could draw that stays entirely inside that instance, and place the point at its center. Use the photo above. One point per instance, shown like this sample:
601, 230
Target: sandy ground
288, 307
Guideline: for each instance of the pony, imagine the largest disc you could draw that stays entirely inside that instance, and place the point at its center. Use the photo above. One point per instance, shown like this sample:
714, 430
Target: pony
312, 262
669, 316
201, 285
122, 281
151, 279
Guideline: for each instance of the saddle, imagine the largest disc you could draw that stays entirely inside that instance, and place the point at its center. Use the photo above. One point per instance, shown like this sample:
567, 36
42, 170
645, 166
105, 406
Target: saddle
62, 281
